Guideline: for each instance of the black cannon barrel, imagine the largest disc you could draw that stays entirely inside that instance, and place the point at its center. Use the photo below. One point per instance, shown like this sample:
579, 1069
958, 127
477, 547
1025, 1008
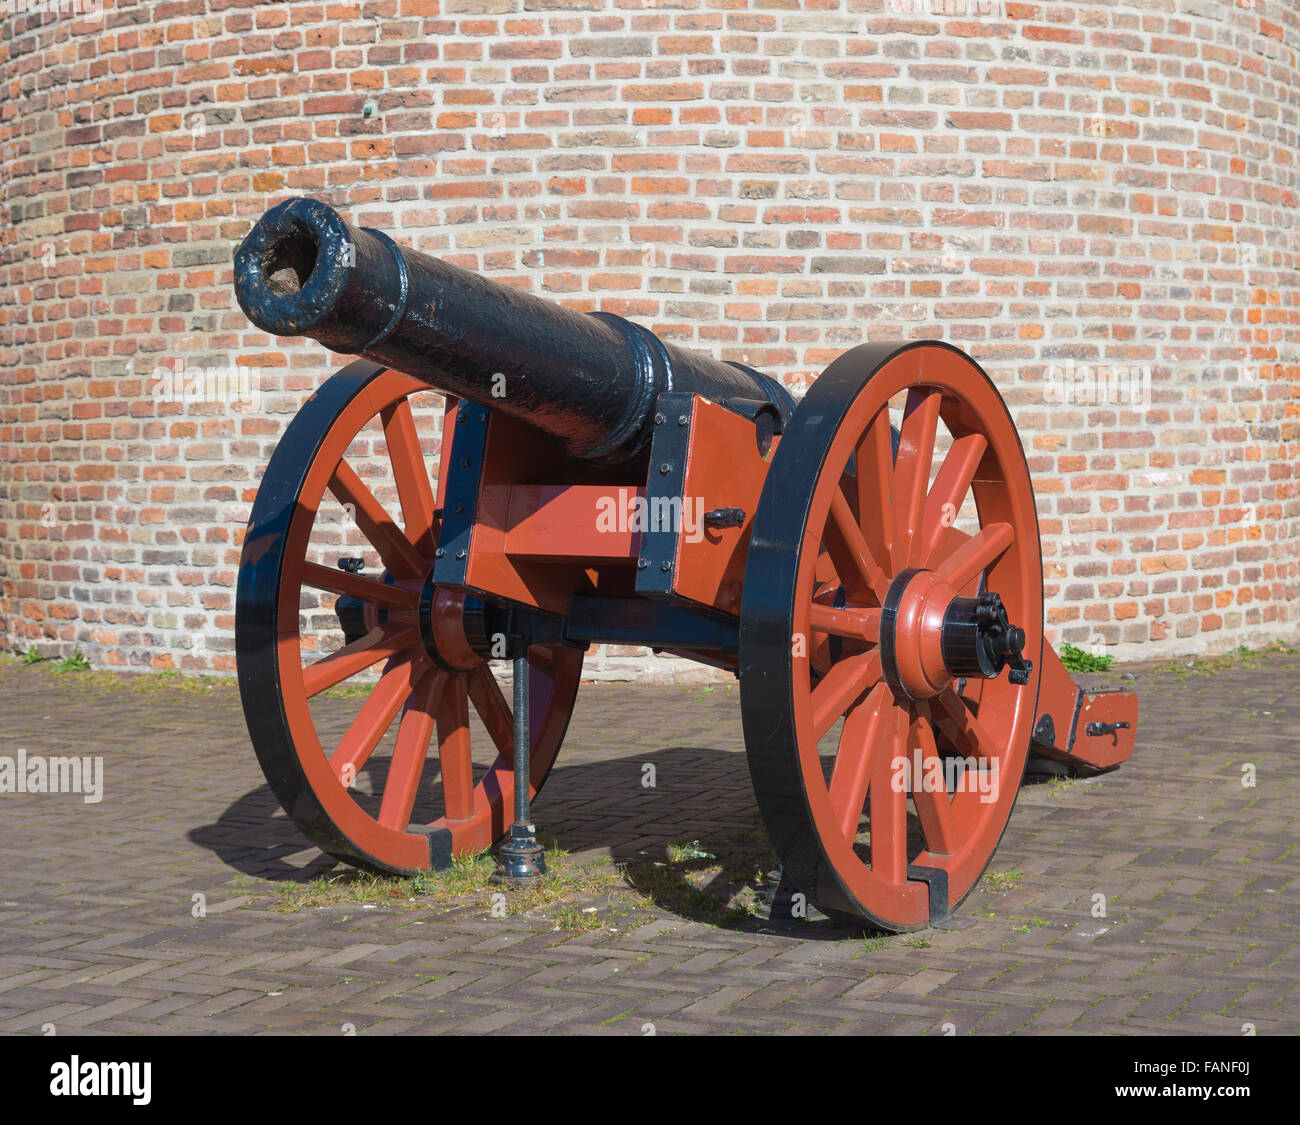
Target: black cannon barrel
589, 380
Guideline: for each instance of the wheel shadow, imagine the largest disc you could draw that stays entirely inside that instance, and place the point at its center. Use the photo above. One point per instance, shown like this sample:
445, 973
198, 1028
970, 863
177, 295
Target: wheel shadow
255, 837
681, 822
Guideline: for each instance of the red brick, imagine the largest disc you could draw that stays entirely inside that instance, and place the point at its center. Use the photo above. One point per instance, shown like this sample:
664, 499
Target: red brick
774, 208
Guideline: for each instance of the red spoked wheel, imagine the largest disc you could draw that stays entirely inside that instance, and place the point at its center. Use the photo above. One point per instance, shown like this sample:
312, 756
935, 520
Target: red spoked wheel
881, 631
374, 794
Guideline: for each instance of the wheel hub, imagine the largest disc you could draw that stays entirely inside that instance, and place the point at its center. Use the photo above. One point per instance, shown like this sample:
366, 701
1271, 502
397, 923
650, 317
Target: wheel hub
452, 627
930, 635
452, 624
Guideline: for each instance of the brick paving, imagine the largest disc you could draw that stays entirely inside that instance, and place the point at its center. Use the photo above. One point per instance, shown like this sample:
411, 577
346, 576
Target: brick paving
1201, 933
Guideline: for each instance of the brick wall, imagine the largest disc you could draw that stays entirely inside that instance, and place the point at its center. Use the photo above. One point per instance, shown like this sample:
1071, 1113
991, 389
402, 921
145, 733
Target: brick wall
1080, 194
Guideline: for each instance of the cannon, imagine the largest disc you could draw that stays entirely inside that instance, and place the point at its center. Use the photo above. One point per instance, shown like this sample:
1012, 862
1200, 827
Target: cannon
867, 562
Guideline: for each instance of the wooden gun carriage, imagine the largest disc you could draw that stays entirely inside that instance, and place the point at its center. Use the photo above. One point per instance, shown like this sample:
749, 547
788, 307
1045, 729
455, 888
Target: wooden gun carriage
867, 562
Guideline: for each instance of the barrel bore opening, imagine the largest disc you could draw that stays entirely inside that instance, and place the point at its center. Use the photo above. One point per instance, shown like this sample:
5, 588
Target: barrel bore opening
289, 262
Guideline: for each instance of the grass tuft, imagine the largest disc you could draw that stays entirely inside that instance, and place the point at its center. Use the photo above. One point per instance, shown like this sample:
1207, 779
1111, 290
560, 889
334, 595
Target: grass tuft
77, 662
1076, 660
1001, 880
560, 894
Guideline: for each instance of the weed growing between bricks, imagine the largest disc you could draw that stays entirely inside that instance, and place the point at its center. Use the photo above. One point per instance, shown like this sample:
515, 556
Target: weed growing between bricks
687, 882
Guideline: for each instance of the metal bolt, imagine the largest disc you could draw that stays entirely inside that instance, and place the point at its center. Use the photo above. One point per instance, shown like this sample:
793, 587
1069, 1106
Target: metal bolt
665, 468
641, 564
665, 566
459, 508
660, 419
682, 419
439, 553
461, 553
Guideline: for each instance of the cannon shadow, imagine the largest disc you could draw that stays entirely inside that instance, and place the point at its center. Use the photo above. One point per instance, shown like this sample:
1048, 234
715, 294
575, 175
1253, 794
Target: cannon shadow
698, 816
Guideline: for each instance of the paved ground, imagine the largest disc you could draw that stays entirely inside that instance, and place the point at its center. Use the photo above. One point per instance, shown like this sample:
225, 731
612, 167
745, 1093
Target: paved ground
1202, 932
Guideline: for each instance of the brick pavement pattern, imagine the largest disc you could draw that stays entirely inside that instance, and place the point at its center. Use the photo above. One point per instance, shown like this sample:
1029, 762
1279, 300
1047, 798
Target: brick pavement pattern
1201, 932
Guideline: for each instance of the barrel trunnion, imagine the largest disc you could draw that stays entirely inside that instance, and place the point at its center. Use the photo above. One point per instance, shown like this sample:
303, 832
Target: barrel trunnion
598, 486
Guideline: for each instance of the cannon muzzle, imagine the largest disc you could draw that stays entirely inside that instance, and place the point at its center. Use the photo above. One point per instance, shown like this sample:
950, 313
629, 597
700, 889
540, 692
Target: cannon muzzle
588, 380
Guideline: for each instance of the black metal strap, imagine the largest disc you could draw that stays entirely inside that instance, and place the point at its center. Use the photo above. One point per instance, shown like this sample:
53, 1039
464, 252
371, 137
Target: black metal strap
936, 878
653, 376
888, 620
403, 288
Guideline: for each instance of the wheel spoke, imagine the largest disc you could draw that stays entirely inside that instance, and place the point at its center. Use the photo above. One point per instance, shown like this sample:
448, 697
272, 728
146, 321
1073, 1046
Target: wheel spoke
380, 643
956, 720
826, 592
375, 717
875, 483
493, 709
948, 492
912, 469
876, 516
949, 541
354, 586
888, 801
399, 555
411, 474
930, 793
401, 706
454, 755
841, 686
848, 548
976, 554
410, 751
977, 780
854, 759
855, 624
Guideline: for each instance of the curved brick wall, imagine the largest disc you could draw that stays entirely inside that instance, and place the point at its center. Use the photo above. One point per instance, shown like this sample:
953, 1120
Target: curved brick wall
1087, 196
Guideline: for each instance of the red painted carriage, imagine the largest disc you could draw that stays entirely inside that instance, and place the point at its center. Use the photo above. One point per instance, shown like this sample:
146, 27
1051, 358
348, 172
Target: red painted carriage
866, 562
